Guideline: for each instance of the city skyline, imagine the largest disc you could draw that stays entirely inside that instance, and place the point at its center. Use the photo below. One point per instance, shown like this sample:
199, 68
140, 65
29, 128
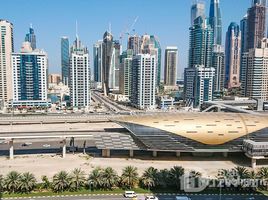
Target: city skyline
175, 32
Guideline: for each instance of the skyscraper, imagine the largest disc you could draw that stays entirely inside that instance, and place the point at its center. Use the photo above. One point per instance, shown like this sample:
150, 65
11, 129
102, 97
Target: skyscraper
150, 45
134, 43
79, 75
143, 81
256, 24
171, 61
114, 66
6, 49
125, 76
65, 58
255, 73
200, 55
215, 21
201, 43
107, 51
244, 28
97, 58
197, 10
29, 69
218, 63
233, 55
30, 37
204, 81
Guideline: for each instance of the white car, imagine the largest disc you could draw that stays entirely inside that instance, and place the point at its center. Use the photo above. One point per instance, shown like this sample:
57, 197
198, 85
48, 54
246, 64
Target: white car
182, 198
130, 194
151, 198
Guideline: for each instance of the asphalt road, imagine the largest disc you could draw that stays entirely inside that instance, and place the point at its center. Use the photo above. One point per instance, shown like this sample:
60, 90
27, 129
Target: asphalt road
161, 197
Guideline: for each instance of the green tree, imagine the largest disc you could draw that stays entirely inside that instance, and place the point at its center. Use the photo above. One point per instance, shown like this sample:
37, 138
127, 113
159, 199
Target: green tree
129, 176
27, 182
109, 178
61, 181
176, 173
164, 178
12, 181
149, 178
242, 172
45, 183
78, 179
95, 178
1, 184
263, 175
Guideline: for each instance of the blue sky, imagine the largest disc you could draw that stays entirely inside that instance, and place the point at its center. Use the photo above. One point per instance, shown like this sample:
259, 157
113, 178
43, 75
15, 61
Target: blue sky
51, 19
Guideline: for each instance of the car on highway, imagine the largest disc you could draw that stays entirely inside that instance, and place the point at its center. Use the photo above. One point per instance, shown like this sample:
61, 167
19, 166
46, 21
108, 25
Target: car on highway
151, 198
182, 198
46, 145
26, 144
130, 194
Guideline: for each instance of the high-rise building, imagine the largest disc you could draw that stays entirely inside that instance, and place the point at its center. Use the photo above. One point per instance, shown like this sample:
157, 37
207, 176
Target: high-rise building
150, 45
201, 43
114, 66
30, 37
125, 77
200, 54
107, 50
54, 79
134, 43
233, 55
97, 58
256, 24
216, 21
171, 62
204, 81
244, 28
29, 69
218, 63
65, 59
79, 75
143, 81
255, 73
6, 49
197, 10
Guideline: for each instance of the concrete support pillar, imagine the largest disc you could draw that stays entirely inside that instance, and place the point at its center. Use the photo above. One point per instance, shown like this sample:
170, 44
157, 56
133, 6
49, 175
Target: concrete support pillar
154, 154
64, 148
253, 163
178, 154
225, 154
11, 149
106, 153
131, 153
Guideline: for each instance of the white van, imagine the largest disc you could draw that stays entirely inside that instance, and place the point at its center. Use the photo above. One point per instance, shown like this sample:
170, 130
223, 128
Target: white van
182, 198
130, 194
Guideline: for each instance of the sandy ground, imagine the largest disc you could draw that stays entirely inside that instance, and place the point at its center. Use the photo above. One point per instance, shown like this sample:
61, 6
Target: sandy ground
51, 164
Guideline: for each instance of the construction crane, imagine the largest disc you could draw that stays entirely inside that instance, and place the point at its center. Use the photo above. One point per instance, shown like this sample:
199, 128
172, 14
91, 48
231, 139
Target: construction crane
128, 30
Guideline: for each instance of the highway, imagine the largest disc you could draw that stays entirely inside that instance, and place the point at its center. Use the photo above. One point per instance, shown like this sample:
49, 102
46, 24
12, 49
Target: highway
161, 197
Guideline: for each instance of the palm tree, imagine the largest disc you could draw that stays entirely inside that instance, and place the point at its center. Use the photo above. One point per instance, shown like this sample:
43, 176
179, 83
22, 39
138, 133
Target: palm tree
263, 174
242, 172
129, 176
78, 179
11, 182
27, 182
1, 184
149, 177
61, 181
176, 173
95, 178
163, 178
45, 183
109, 178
